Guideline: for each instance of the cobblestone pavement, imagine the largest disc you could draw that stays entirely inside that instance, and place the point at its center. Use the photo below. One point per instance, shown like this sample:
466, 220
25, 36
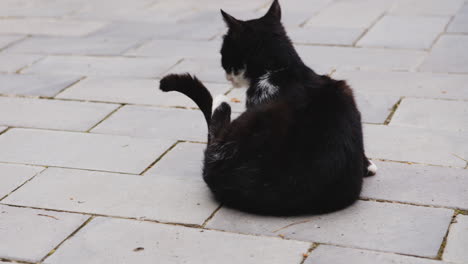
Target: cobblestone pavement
98, 166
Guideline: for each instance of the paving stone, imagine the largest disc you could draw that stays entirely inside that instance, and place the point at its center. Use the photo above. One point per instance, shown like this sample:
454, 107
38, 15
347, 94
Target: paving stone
374, 108
6, 40
74, 45
418, 184
190, 154
343, 14
437, 147
388, 227
207, 69
29, 234
34, 85
410, 32
168, 199
432, 114
325, 35
80, 150
346, 58
132, 91
10, 63
426, 7
52, 114
180, 48
455, 250
2, 129
47, 26
432, 85
103, 66
37, 8
153, 122
96, 243
337, 255
459, 24
448, 55
297, 12
15, 175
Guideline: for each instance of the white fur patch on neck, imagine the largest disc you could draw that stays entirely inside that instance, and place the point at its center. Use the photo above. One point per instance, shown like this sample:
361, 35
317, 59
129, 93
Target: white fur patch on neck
264, 89
238, 80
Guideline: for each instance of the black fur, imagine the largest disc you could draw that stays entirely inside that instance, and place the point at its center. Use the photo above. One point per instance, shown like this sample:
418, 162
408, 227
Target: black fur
299, 149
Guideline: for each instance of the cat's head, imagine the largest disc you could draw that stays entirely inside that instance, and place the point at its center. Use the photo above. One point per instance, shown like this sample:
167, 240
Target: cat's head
253, 47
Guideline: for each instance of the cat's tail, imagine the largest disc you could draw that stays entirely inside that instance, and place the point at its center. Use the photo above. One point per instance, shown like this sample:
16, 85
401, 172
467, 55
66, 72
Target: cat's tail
191, 87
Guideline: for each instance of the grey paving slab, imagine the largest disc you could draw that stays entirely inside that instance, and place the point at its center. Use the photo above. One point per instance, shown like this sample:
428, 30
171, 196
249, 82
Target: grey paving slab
74, 45
103, 66
47, 26
426, 7
432, 114
455, 250
207, 69
154, 122
324, 35
347, 58
431, 85
10, 63
52, 114
41, 8
437, 147
6, 40
29, 234
296, 12
132, 91
2, 128
167, 199
188, 154
338, 255
374, 108
34, 85
180, 48
80, 150
340, 14
459, 24
448, 55
418, 184
369, 225
410, 32
96, 243
14, 175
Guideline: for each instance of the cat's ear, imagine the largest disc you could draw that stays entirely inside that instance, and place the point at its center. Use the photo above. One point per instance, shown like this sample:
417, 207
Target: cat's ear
274, 12
231, 22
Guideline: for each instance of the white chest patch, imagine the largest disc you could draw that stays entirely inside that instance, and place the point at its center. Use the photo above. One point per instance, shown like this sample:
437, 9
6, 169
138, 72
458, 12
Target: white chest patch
264, 89
238, 80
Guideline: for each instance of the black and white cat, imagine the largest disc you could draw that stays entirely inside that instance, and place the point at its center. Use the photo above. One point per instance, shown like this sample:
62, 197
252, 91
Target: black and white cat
298, 148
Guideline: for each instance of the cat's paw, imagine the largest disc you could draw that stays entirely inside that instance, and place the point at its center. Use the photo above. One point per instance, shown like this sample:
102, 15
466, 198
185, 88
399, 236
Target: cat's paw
171, 82
371, 169
218, 100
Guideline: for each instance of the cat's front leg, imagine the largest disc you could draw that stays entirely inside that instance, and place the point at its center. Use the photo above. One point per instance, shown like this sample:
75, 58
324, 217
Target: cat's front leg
370, 169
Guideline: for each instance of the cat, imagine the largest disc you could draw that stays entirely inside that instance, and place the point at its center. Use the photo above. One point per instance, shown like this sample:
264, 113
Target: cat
298, 147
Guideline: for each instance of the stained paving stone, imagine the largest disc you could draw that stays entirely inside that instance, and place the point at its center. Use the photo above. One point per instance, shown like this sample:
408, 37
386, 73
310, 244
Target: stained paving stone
6, 40
154, 122
181, 48
426, 7
29, 234
410, 32
437, 147
167, 199
338, 255
132, 91
431, 85
190, 154
10, 63
389, 227
34, 85
346, 58
374, 108
169, 244
103, 66
47, 26
14, 175
432, 114
455, 250
80, 150
74, 45
448, 55
52, 114
325, 35
208, 69
418, 184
